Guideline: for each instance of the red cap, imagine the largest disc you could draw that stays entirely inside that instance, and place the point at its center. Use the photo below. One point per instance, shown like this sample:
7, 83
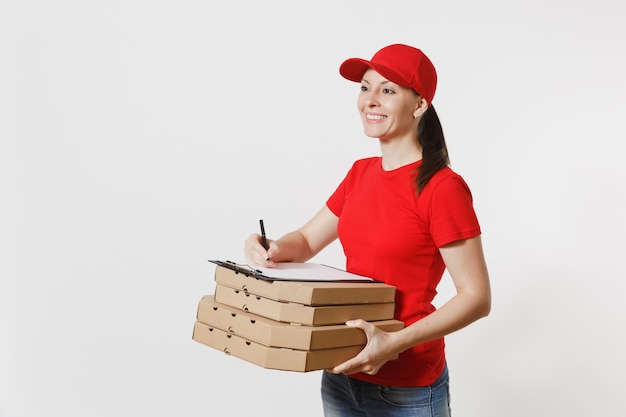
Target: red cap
402, 64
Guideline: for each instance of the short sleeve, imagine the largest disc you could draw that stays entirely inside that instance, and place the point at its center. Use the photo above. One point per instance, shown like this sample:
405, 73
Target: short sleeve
451, 211
337, 199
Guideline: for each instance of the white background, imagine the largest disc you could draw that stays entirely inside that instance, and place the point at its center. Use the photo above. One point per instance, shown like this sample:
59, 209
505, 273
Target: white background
141, 138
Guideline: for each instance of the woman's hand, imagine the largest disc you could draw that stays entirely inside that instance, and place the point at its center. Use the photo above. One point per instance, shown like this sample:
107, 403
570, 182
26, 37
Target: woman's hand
378, 350
256, 254
297, 246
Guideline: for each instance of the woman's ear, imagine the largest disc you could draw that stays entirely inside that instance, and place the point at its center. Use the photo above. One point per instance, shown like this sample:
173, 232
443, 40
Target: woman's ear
420, 109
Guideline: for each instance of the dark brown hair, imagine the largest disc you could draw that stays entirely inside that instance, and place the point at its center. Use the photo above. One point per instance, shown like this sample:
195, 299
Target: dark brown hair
434, 150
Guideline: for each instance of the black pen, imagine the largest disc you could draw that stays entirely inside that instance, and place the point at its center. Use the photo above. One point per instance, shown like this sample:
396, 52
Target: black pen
263, 237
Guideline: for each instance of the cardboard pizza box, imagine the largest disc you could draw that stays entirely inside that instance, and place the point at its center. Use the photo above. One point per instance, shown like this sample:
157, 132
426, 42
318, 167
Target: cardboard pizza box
299, 313
308, 292
271, 357
274, 333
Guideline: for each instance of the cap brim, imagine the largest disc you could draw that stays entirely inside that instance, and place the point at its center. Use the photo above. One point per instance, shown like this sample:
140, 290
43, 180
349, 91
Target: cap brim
353, 69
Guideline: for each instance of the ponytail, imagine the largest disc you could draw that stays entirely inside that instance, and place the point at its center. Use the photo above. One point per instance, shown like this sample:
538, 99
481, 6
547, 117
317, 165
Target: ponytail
434, 150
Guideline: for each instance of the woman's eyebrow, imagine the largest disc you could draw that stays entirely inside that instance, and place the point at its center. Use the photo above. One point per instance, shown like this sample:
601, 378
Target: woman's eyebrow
363, 80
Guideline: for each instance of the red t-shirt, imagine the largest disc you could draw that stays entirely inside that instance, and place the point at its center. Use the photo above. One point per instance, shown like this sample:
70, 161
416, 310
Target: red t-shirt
391, 234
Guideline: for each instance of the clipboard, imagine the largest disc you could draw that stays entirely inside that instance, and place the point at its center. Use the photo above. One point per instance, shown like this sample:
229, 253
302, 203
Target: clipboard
295, 271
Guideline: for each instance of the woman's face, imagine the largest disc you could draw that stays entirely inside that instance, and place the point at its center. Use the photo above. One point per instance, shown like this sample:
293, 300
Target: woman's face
387, 109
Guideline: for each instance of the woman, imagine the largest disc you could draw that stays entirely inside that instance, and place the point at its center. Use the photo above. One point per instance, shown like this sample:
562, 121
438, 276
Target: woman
402, 218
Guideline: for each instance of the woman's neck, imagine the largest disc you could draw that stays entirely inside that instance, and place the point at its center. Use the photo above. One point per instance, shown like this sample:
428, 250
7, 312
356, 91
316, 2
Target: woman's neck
397, 153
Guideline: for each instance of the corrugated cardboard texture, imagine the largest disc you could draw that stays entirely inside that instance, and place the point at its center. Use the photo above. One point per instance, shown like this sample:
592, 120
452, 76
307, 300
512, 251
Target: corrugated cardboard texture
274, 333
271, 357
299, 313
308, 293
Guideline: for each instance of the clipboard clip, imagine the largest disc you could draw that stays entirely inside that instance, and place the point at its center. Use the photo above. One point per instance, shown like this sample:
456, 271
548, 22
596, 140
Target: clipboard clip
243, 269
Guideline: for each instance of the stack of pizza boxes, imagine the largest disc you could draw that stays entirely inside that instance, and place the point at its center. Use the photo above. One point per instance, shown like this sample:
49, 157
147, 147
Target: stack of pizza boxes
290, 325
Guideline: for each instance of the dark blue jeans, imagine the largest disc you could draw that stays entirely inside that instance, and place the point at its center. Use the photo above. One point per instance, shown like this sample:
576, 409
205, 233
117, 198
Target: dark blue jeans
347, 397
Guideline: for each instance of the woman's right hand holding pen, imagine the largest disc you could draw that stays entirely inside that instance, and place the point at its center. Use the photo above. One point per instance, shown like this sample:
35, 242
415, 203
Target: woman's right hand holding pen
255, 252
296, 246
